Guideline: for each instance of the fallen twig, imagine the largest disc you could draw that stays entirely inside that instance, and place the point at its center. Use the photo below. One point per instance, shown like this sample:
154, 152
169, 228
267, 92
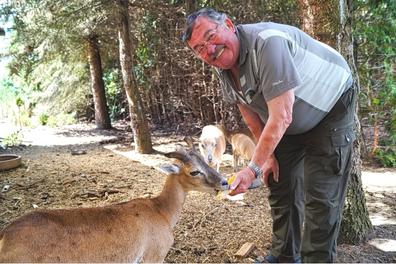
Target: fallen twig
203, 218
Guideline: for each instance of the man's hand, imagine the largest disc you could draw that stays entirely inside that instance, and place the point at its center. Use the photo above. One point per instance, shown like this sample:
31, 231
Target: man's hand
243, 180
270, 166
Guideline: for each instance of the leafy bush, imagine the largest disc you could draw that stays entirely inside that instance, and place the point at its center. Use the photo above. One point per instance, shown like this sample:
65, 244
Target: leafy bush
375, 35
12, 140
114, 93
62, 119
43, 119
386, 157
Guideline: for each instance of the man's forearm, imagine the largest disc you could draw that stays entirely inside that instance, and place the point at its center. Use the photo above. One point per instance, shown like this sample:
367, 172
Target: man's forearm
280, 117
252, 120
269, 139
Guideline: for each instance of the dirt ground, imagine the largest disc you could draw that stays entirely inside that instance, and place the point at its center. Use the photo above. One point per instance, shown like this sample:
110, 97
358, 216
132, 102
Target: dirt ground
108, 171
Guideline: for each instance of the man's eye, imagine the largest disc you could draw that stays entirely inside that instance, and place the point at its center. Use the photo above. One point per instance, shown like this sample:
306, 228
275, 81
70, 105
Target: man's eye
194, 173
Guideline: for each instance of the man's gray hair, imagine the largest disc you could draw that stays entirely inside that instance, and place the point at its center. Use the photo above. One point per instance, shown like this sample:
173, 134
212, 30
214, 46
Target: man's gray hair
210, 13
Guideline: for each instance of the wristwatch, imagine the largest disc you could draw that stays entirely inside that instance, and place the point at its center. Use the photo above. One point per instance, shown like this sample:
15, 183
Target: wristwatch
256, 169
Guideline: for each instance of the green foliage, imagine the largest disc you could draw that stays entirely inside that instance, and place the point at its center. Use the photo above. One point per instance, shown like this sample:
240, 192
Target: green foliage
43, 119
386, 157
114, 93
12, 140
48, 51
61, 119
7, 89
7, 97
19, 102
285, 11
147, 50
375, 34
50, 73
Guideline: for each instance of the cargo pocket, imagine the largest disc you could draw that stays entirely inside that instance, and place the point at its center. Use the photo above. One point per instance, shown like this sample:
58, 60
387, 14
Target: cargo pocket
342, 140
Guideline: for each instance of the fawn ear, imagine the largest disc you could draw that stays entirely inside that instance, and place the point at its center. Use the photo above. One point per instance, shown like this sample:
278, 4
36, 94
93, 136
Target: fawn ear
192, 145
169, 169
189, 141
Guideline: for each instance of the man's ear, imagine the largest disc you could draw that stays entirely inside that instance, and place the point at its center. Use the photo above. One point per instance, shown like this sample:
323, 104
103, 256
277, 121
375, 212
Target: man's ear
229, 24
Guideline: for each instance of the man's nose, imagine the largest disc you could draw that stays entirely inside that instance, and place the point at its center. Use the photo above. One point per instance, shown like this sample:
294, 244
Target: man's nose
210, 48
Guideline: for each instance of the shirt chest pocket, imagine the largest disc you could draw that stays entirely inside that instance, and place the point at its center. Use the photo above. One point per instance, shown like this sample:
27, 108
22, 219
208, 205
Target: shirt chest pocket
250, 88
257, 100
258, 105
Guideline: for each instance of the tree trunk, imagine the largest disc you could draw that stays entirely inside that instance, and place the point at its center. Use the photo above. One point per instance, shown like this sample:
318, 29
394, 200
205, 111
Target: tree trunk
318, 19
356, 224
307, 17
102, 118
139, 123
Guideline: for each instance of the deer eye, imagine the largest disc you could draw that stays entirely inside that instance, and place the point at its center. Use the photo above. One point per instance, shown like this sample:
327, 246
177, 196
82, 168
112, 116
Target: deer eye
195, 173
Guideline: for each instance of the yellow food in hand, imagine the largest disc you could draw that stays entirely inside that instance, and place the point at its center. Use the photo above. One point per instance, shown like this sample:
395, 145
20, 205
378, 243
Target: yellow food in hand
222, 194
231, 179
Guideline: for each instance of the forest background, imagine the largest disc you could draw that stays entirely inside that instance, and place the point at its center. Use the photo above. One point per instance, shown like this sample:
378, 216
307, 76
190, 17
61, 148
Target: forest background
64, 63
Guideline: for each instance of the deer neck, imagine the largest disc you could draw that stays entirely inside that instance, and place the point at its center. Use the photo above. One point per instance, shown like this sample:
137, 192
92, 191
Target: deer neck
171, 200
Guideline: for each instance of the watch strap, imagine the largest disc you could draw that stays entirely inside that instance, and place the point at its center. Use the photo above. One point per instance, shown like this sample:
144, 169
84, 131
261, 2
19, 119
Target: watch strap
256, 169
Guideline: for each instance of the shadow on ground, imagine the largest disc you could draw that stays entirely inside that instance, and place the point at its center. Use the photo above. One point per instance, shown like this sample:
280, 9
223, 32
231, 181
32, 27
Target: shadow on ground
108, 171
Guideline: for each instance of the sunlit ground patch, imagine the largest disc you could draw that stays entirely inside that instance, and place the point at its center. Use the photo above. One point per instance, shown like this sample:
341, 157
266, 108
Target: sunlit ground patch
386, 245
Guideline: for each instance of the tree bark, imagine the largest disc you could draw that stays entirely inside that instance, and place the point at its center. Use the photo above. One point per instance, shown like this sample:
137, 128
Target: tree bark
355, 223
139, 123
307, 17
102, 118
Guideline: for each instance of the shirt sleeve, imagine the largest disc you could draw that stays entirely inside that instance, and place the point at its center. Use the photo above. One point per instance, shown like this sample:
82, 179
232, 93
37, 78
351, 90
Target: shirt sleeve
276, 69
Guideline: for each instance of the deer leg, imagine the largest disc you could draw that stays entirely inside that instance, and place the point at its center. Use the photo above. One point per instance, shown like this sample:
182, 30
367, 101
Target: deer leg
218, 167
235, 163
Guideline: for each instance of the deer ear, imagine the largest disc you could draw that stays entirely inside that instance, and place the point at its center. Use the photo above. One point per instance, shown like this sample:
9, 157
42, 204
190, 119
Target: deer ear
169, 169
189, 141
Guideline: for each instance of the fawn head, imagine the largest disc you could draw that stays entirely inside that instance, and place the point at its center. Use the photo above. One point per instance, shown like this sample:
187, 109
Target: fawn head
193, 172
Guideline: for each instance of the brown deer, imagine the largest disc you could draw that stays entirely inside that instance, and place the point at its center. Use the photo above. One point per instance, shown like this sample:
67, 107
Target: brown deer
242, 144
212, 144
242, 149
136, 231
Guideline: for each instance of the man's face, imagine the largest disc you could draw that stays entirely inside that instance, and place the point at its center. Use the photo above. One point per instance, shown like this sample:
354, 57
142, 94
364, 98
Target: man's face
215, 44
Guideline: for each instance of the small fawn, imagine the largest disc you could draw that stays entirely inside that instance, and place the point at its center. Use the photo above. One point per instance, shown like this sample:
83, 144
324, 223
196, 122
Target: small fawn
136, 231
242, 144
212, 144
242, 148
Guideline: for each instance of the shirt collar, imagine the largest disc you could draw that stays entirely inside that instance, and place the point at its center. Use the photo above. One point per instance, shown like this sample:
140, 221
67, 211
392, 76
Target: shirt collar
243, 51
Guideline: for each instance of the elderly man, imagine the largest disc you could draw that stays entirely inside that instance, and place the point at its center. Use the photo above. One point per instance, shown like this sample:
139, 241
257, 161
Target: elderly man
296, 95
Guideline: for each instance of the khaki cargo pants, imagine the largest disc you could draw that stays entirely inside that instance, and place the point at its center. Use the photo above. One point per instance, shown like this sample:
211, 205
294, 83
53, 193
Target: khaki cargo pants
314, 169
